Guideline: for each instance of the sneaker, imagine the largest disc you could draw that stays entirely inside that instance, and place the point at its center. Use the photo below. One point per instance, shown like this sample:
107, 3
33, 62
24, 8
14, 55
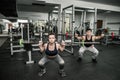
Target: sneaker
42, 72
79, 59
94, 60
62, 73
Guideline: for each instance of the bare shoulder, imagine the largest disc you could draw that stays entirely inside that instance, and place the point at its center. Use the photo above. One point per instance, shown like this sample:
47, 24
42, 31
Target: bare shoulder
93, 36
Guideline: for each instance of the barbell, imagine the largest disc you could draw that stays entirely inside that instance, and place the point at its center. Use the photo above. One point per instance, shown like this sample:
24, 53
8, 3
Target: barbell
69, 42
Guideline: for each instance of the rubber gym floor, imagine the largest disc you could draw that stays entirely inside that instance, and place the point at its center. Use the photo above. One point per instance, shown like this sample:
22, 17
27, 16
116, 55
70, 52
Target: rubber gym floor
107, 68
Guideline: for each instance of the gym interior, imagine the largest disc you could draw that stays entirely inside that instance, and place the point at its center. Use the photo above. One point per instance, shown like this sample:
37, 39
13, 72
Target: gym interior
24, 23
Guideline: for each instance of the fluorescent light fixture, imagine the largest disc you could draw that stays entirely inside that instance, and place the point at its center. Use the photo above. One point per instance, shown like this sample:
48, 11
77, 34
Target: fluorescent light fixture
56, 7
55, 11
79, 10
90, 10
68, 12
22, 21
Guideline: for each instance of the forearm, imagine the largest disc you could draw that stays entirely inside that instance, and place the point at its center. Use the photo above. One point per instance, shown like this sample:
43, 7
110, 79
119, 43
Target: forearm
41, 48
98, 37
62, 48
78, 37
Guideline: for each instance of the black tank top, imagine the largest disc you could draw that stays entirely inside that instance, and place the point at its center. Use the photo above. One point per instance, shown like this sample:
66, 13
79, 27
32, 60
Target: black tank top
86, 40
51, 53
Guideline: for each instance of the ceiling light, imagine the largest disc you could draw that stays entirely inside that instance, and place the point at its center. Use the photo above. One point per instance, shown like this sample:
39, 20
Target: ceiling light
55, 11
56, 7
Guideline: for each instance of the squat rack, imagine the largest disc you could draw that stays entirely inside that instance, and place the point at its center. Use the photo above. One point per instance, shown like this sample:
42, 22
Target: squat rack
83, 10
18, 46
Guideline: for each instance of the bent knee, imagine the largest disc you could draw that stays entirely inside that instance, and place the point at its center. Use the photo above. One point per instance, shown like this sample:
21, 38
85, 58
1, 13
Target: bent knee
96, 52
40, 63
81, 51
62, 62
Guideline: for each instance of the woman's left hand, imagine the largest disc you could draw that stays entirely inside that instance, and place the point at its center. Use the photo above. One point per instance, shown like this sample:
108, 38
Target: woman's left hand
63, 43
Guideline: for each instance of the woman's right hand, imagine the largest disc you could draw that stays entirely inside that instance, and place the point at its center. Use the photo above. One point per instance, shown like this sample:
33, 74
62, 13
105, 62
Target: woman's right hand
40, 43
